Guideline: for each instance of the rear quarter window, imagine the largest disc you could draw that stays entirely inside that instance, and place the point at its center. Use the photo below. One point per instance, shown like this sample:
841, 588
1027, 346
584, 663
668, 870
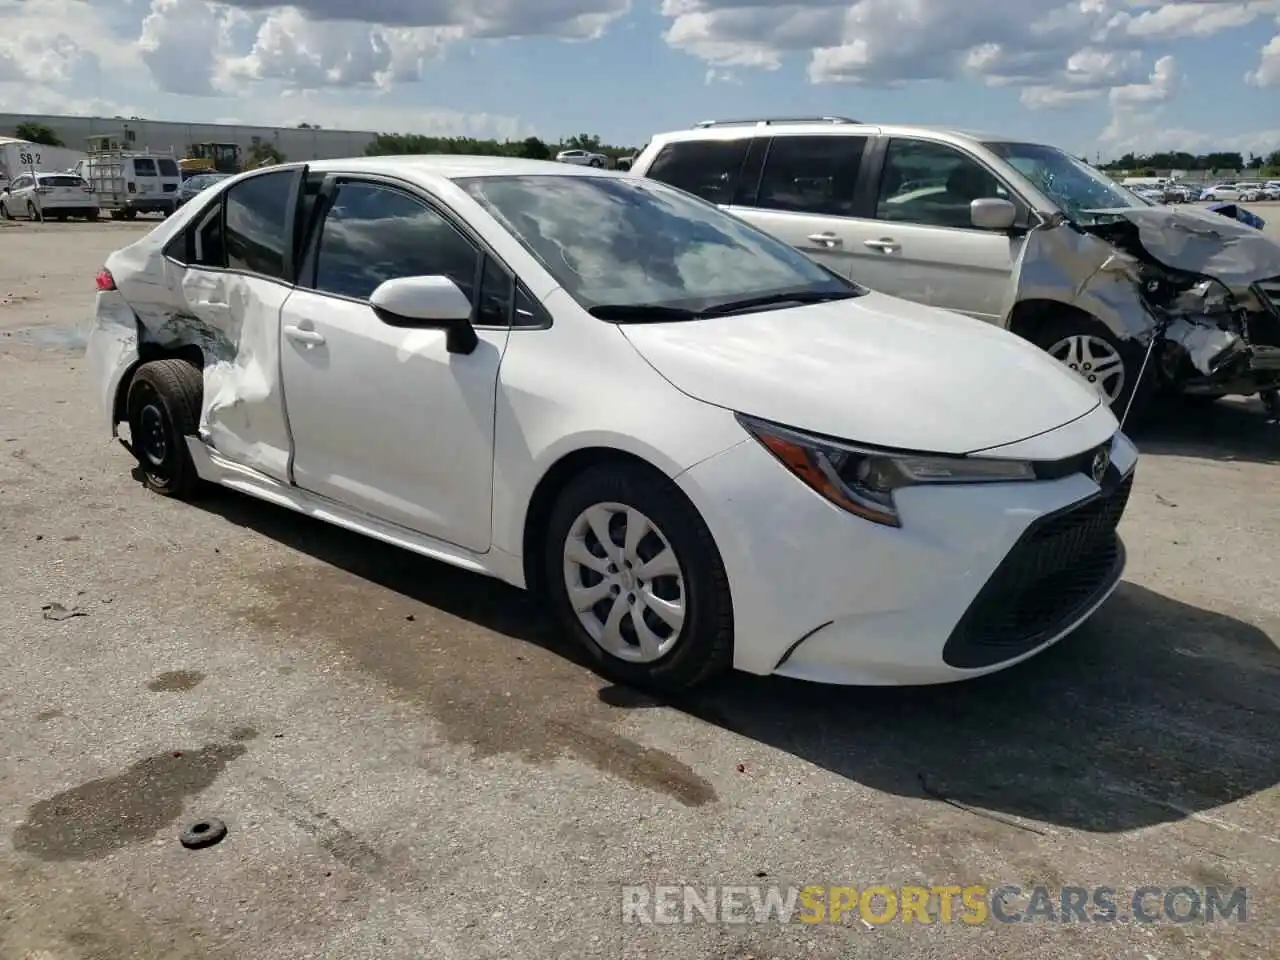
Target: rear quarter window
144, 167
706, 168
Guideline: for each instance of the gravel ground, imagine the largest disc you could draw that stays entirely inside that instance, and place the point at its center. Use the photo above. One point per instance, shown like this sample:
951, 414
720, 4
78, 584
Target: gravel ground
410, 765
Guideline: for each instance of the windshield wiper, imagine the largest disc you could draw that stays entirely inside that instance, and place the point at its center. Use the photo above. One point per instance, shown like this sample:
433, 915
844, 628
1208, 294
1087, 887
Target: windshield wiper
777, 299
641, 313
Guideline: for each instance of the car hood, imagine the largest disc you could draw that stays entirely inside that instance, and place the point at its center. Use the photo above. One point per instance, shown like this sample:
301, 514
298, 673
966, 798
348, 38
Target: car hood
874, 370
1202, 242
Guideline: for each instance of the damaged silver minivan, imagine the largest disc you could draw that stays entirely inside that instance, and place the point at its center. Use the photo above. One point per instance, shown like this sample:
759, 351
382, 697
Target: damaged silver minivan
1137, 298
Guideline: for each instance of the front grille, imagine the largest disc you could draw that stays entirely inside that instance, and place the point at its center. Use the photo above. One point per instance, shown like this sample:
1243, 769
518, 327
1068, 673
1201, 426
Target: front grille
1057, 570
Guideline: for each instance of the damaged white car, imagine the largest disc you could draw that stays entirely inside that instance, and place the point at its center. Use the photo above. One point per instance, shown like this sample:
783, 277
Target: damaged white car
1022, 235
704, 448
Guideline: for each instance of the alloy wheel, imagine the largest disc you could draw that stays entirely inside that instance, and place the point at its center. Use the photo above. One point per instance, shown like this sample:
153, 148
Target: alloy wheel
625, 582
1095, 360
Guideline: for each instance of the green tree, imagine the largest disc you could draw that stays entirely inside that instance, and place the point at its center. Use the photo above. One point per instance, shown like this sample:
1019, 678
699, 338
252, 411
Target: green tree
535, 149
37, 133
264, 154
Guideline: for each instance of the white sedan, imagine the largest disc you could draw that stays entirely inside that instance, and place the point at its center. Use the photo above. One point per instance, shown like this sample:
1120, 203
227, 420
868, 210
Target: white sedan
582, 158
48, 196
706, 450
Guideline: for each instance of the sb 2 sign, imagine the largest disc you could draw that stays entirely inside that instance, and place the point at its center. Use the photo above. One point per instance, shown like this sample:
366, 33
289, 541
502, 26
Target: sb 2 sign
29, 159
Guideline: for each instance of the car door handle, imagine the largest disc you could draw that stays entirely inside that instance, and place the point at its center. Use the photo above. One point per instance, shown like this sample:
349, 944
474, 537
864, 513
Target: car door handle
825, 239
884, 244
298, 335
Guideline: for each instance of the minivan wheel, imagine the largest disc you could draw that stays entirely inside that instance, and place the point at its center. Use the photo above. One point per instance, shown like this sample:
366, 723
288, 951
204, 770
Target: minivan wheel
634, 575
164, 409
1110, 365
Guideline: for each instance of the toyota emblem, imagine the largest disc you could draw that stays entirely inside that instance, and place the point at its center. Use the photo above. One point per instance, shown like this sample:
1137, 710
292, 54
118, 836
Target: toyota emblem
1098, 469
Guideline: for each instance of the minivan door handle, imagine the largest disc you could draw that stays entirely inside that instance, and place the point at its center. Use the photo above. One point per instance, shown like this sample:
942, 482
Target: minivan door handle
825, 239
299, 335
884, 244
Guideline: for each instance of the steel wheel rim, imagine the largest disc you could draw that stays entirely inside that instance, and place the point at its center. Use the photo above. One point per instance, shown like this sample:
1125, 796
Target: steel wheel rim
1095, 361
152, 441
625, 582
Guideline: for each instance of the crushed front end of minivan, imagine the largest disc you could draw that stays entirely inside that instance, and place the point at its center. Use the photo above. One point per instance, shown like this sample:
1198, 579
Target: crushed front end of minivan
1206, 287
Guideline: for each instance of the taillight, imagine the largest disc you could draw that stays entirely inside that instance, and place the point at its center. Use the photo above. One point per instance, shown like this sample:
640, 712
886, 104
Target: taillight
132, 187
105, 280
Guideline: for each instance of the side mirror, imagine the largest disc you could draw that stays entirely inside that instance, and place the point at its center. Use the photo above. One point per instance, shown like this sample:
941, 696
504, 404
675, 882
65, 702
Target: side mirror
992, 213
427, 302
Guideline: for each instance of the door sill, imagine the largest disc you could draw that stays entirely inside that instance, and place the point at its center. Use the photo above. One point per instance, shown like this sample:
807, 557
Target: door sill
234, 476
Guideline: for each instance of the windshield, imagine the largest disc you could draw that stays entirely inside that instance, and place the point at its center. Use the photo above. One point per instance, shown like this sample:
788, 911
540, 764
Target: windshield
623, 241
1072, 184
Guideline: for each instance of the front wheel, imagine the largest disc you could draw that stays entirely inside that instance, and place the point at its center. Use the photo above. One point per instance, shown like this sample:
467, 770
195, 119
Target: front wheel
634, 575
1107, 363
4, 211
164, 409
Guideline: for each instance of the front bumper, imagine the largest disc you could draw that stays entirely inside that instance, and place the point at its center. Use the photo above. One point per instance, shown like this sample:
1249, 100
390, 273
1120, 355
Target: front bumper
962, 589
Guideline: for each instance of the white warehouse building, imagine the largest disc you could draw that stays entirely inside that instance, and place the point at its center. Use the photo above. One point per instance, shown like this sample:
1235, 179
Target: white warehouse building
294, 143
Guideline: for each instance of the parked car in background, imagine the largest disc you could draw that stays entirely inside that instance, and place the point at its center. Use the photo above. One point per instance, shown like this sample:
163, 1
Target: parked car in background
132, 182
582, 158
1179, 192
1150, 194
197, 183
1221, 191
48, 196
481, 359
1021, 235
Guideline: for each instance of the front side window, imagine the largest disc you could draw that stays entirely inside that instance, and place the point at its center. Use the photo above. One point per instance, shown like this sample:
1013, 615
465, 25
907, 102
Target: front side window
257, 233
706, 168
815, 175
933, 184
1075, 187
373, 233
634, 241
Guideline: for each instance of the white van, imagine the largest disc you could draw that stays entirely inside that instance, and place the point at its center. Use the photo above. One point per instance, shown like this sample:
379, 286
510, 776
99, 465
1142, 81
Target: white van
130, 182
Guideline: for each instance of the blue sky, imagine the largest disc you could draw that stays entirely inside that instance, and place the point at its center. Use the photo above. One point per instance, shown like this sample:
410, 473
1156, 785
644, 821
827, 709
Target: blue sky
1094, 76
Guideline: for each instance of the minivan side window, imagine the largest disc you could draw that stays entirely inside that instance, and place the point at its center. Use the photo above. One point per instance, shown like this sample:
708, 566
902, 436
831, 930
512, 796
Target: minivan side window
258, 234
373, 233
932, 184
706, 168
815, 175
144, 167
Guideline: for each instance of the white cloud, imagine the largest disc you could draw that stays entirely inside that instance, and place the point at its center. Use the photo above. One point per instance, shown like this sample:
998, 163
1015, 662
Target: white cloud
1268, 72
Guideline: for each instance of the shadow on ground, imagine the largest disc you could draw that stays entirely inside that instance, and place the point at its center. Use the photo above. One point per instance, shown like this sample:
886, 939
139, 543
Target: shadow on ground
1152, 711
1226, 430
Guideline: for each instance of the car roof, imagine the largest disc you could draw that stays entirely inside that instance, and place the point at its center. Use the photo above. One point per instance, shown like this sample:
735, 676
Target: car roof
736, 130
455, 166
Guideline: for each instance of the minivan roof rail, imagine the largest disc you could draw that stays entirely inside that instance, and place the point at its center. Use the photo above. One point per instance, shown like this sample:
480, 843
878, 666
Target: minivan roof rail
769, 120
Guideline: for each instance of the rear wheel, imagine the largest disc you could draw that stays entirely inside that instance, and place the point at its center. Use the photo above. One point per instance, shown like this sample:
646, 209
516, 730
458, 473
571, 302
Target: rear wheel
635, 577
1107, 363
131, 214
4, 211
164, 409
32, 212
91, 215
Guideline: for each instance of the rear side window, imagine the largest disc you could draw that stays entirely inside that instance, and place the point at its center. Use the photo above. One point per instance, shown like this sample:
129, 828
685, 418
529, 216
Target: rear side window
814, 175
144, 167
706, 168
168, 168
257, 234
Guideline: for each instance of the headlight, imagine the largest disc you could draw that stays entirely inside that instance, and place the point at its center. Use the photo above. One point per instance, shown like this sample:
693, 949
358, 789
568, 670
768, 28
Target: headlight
1205, 296
863, 480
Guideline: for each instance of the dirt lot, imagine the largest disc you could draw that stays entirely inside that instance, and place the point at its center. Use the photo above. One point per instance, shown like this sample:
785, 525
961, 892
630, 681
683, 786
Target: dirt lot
411, 766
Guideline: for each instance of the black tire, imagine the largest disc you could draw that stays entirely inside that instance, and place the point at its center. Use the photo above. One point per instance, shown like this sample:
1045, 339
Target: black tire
33, 213
4, 211
1056, 329
596, 163
60, 217
703, 648
164, 409
131, 214
91, 215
